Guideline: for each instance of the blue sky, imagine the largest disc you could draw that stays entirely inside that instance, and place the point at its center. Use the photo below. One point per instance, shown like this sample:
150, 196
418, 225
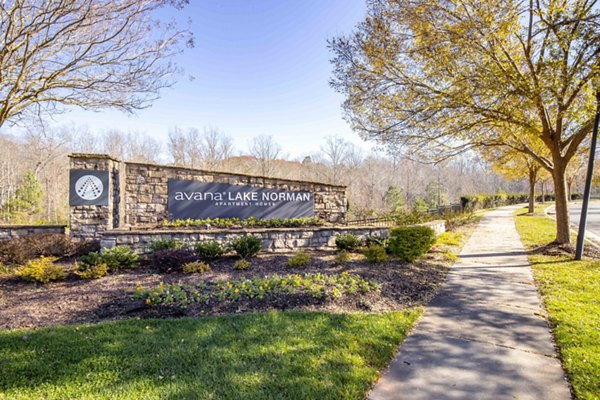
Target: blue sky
260, 67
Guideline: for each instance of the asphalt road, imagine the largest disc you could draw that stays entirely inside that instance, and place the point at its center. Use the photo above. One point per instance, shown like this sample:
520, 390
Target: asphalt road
593, 220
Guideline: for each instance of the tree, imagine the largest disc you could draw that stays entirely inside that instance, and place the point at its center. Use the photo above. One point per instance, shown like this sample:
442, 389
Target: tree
88, 53
516, 165
28, 197
394, 199
266, 151
438, 78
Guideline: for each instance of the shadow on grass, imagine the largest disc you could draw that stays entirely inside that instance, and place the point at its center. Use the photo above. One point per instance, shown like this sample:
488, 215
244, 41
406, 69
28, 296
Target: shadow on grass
251, 356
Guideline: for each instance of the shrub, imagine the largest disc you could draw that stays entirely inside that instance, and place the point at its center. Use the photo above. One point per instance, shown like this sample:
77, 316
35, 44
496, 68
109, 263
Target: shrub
375, 254
195, 267
242, 264
89, 261
299, 259
41, 270
56, 245
20, 250
247, 246
161, 244
119, 257
170, 260
209, 250
5, 269
348, 242
342, 257
93, 271
410, 242
375, 240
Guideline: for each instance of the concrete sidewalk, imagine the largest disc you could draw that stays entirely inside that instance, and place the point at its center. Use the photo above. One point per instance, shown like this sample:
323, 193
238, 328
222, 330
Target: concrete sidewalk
483, 336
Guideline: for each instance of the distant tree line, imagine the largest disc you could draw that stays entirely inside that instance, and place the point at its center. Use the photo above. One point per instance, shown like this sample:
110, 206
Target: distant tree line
34, 169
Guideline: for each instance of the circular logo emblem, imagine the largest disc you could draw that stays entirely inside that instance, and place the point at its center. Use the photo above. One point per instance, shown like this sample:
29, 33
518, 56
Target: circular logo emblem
89, 187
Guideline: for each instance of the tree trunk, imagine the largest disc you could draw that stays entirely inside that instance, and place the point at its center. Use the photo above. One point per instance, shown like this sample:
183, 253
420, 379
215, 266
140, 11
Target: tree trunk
543, 192
562, 203
532, 179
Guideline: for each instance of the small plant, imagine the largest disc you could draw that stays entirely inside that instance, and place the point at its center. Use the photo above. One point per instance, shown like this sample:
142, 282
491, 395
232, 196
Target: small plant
210, 250
242, 265
41, 270
170, 260
410, 242
161, 244
376, 240
195, 267
247, 246
375, 254
119, 257
5, 269
94, 271
342, 257
348, 242
299, 259
89, 260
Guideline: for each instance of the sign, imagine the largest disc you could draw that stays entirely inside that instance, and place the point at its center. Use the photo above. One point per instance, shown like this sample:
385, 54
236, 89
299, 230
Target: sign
88, 187
199, 200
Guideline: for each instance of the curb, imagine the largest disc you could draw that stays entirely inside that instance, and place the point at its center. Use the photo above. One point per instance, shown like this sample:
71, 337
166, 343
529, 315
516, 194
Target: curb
590, 237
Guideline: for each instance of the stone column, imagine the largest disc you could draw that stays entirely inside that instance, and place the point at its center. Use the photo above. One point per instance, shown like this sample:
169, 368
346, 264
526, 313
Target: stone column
87, 222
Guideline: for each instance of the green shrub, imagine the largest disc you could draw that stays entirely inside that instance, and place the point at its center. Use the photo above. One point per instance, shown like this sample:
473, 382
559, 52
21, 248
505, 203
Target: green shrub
247, 246
375, 254
299, 259
89, 261
342, 257
119, 257
171, 260
41, 270
348, 242
242, 264
162, 244
482, 201
94, 271
410, 242
195, 267
210, 250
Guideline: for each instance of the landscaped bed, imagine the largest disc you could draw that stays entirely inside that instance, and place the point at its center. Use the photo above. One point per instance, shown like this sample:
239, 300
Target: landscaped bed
319, 281
403, 285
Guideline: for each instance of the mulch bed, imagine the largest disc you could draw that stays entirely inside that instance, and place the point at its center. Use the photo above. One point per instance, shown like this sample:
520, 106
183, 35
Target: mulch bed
75, 300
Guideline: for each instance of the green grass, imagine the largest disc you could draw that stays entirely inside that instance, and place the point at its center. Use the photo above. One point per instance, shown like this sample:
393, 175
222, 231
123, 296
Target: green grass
571, 291
275, 355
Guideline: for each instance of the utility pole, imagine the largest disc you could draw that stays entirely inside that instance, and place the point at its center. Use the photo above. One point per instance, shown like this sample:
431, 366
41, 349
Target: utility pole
588, 184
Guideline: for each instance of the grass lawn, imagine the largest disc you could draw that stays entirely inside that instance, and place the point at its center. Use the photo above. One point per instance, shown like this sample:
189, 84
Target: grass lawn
274, 355
571, 291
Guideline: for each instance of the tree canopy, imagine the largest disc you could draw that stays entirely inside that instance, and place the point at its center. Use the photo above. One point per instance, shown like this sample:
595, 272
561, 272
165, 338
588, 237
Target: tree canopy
87, 53
438, 77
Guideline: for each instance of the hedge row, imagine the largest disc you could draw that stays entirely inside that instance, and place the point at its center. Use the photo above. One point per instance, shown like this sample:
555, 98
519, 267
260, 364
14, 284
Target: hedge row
481, 201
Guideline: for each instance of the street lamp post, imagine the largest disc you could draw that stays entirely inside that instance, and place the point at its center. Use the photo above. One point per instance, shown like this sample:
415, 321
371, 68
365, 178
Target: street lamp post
588, 184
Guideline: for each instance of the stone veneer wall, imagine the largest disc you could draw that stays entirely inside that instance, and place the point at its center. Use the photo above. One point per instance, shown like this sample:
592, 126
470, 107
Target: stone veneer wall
146, 191
16, 231
274, 240
89, 222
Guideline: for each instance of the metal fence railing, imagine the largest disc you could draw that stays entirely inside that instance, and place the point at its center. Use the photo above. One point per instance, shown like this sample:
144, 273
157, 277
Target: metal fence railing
392, 220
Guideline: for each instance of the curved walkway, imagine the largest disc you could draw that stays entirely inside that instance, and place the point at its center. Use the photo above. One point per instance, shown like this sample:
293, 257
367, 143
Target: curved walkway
484, 336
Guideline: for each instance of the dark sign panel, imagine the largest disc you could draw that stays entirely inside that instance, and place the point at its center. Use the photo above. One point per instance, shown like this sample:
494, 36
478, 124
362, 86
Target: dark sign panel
199, 200
88, 187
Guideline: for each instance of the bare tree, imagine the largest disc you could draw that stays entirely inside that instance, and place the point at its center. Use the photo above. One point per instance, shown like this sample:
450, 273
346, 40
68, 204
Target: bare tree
88, 53
266, 151
217, 147
335, 151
